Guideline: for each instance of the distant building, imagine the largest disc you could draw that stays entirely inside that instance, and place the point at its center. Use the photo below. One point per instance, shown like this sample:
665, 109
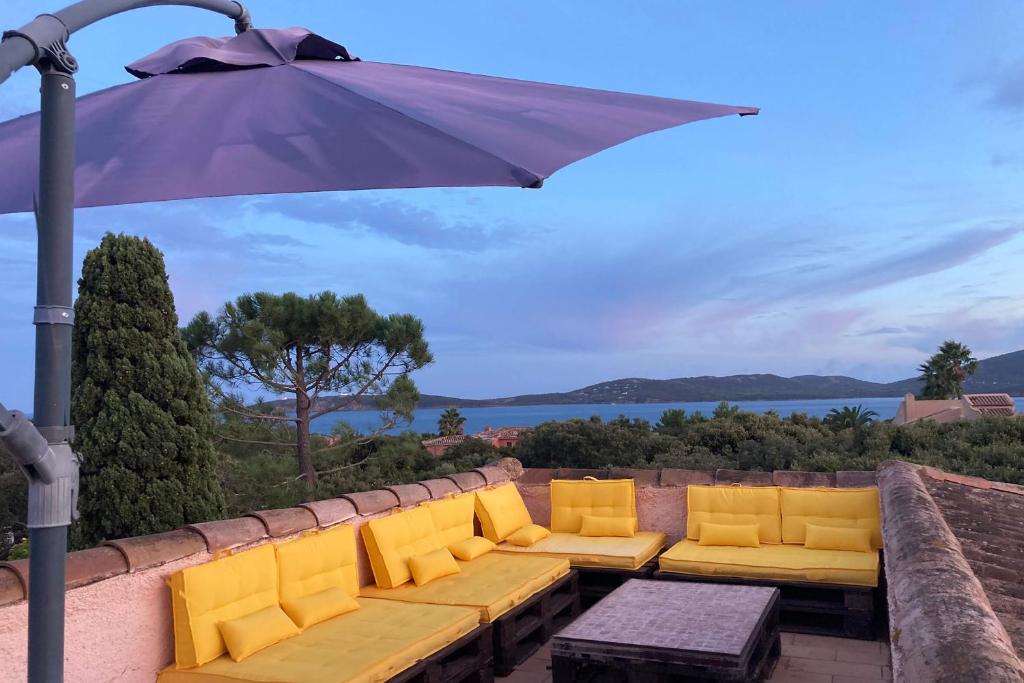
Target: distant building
502, 437
970, 407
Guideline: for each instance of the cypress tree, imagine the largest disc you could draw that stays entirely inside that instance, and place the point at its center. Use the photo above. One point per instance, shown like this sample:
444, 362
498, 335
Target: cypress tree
139, 406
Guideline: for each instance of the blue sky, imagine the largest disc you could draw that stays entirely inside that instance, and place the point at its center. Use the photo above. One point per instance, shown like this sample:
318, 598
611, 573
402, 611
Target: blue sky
873, 209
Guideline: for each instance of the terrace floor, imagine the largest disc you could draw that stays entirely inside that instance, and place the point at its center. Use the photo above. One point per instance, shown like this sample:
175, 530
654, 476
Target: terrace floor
805, 659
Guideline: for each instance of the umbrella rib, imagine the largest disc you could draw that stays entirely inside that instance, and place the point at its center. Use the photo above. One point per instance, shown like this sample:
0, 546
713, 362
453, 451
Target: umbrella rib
537, 178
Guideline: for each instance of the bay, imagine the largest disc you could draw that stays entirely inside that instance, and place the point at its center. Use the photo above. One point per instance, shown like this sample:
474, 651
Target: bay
425, 420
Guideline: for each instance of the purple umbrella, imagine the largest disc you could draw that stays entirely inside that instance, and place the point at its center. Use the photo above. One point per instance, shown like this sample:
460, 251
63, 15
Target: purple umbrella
288, 111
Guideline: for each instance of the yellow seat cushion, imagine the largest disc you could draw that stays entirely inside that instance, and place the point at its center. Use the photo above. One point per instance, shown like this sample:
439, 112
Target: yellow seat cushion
773, 563
493, 584
313, 563
837, 538
371, 644
572, 499
596, 551
316, 607
734, 505
245, 636
207, 594
433, 565
854, 508
623, 527
528, 535
453, 517
501, 511
740, 535
471, 548
392, 540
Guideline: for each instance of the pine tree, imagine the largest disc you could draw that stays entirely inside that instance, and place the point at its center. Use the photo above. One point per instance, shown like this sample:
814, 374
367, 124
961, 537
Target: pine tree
138, 402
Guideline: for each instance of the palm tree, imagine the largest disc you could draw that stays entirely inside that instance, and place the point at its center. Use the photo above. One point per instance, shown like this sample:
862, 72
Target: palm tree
944, 373
450, 423
850, 417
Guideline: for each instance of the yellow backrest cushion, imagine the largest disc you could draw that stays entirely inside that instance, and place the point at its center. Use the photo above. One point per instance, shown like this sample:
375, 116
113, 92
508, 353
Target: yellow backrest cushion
734, 505
501, 511
453, 517
854, 508
433, 565
320, 606
607, 526
249, 634
207, 594
740, 535
392, 540
572, 499
838, 538
313, 563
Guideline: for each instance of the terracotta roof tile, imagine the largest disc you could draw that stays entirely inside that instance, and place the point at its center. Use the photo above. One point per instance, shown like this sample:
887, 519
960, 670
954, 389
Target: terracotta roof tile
1016, 489
20, 569
229, 533
676, 477
11, 588
964, 480
468, 481
439, 488
989, 400
493, 474
803, 479
574, 473
537, 475
286, 521
744, 477
141, 552
331, 511
452, 440
513, 468
852, 479
640, 477
410, 494
81, 567
372, 502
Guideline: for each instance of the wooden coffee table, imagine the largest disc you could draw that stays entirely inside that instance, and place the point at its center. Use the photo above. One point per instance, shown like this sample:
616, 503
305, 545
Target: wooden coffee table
669, 630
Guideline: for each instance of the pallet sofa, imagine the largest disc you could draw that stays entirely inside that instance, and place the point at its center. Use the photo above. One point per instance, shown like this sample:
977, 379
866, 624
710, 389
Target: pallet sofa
593, 525
524, 599
293, 613
820, 547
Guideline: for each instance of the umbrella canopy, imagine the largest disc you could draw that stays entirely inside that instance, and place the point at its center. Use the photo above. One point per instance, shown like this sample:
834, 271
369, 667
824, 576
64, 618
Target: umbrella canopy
286, 110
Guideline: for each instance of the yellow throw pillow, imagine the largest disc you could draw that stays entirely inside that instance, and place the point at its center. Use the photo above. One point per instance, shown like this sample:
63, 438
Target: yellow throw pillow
742, 535
248, 635
606, 526
837, 538
471, 548
321, 606
528, 535
433, 565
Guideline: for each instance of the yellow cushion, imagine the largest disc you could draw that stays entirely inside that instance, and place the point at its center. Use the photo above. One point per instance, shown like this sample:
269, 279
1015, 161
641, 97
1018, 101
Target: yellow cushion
607, 526
207, 594
453, 517
571, 500
316, 562
433, 565
596, 551
247, 635
773, 563
471, 548
501, 511
392, 540
734, 505
316, 607
528, 535
742, 535
856, 508
372, 644
837, 538
493, 584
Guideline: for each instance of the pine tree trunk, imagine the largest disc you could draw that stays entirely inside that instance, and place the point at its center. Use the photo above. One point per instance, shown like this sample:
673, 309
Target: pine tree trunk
303, 454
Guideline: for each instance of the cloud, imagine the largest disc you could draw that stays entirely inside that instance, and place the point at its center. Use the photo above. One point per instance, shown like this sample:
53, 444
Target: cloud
394, 219
1006, 86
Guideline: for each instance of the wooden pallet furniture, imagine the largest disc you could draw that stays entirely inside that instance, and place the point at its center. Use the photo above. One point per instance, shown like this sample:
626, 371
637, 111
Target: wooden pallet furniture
468, 660
522, 630
597, 582
656, 631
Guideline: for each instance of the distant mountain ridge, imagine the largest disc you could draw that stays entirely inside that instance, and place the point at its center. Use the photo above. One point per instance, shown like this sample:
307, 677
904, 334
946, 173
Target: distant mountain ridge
1003, 373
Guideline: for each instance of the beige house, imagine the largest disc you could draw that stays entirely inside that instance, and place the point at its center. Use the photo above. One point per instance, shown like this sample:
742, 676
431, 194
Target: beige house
969, 407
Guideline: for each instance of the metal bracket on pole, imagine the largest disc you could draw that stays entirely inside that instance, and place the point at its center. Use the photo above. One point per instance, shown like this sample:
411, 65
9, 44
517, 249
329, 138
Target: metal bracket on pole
53, 315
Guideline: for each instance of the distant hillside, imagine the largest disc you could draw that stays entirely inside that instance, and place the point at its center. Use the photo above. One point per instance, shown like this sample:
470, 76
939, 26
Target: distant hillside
997, 374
